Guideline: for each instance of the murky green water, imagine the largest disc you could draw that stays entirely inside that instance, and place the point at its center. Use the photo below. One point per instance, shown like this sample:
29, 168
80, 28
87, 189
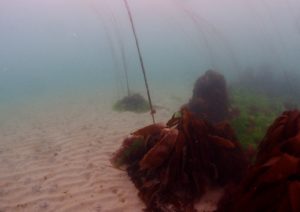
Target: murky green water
67, 48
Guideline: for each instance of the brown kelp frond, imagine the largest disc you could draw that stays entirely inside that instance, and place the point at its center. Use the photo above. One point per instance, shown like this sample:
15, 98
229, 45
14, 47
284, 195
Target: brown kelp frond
132, 148
272, 183
150, 130
178, 161
222, 142
161, 151
283, 133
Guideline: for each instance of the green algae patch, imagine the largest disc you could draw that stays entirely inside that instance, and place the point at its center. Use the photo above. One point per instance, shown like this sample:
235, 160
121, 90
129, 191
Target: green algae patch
256, 113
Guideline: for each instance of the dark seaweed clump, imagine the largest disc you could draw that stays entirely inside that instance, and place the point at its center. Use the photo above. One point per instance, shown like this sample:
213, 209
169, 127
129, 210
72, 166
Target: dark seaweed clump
272, 183
134, 103
173, 164
210, 98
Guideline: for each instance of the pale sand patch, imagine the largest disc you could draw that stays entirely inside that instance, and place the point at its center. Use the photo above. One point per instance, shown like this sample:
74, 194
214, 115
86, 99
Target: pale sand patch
55, 157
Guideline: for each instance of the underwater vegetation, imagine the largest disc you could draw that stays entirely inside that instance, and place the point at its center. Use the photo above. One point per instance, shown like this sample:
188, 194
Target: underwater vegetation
273, 182
173, 164
256, 112
210, 98
248, 112
260, 95
134, 103
141, 60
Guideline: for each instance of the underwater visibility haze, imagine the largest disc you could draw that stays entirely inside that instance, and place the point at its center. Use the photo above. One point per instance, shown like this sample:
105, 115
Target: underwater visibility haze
72, 87
65, 44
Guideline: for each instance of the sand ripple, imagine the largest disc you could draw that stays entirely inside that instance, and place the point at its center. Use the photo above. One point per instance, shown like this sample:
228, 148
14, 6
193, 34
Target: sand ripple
60, 162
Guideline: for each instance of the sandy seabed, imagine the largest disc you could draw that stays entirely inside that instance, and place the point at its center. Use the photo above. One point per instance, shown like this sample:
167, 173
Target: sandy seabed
55, 157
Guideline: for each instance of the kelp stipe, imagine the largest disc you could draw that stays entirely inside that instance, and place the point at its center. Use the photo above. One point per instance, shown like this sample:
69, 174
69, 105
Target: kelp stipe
140, 58
132, 101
